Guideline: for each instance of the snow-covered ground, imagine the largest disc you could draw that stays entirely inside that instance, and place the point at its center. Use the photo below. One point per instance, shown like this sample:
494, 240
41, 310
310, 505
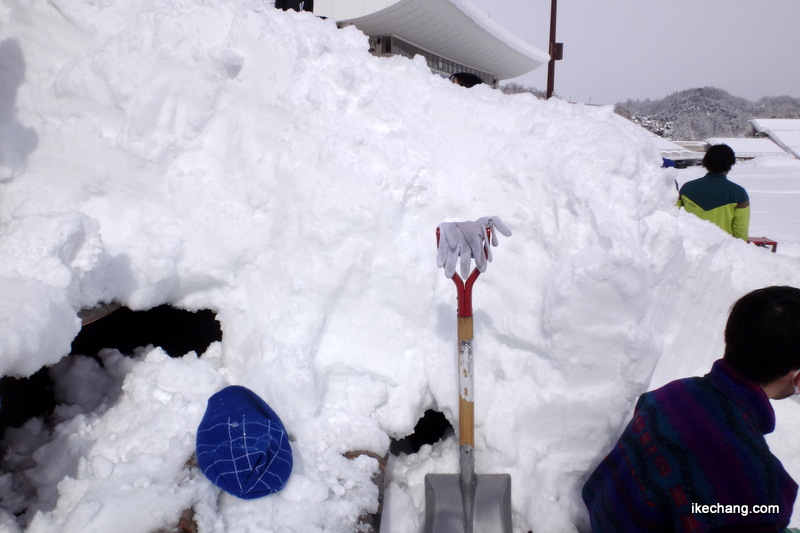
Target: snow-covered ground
221, 154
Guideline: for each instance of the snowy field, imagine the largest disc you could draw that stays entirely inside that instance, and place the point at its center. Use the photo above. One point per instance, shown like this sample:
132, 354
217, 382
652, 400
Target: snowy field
224, 155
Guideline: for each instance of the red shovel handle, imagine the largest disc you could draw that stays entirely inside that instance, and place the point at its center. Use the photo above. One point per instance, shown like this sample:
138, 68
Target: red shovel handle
464, 292
464, 288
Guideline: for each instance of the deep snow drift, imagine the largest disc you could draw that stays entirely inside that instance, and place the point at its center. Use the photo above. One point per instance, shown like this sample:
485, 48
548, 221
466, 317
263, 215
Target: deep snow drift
225, 155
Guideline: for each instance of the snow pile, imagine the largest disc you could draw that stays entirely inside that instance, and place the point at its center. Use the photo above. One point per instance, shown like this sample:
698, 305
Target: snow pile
262, 164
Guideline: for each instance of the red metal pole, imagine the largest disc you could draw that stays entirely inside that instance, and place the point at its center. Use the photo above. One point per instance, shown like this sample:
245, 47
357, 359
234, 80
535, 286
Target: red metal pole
551, 66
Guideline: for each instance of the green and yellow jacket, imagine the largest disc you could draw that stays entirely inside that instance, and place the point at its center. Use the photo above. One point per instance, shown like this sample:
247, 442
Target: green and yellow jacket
718, 200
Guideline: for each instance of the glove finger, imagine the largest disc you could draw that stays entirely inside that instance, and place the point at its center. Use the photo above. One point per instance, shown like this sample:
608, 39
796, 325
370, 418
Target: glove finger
475, 235
450, 230
500, 226
496, 225
479, 227
452, 250
441, 256
476, 247
450, 267
442, 253
465, 262
487, 250
448, 233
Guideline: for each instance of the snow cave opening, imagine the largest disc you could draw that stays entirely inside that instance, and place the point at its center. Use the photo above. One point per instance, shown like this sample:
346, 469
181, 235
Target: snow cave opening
176, 331
430, 429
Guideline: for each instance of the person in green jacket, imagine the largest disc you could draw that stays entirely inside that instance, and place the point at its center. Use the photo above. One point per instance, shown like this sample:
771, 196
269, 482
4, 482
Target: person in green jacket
716, 199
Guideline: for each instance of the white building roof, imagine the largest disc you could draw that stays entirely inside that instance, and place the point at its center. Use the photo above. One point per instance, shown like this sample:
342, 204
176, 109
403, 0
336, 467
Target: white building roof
453, 29
671, 150
784, 131
749, 146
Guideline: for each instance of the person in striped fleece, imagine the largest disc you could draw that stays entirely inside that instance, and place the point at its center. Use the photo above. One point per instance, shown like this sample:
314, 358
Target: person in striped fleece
716, 199
694, 458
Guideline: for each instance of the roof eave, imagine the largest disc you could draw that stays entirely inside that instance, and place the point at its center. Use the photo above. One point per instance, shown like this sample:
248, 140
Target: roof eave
474, 40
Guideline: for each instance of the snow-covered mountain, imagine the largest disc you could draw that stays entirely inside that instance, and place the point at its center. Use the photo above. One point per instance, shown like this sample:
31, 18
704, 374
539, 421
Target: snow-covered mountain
697, 114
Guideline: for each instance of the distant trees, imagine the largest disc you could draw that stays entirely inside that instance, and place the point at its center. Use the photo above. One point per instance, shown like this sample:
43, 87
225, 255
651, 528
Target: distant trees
516, 88
778, 107
699, 113
694, 114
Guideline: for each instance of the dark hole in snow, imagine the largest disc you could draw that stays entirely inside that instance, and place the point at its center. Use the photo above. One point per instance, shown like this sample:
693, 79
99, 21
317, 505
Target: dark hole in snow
431, 428
21, 399
176, 331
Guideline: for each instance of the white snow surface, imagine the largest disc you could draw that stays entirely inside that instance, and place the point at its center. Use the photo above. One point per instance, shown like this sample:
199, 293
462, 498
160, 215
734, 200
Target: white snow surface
225, 155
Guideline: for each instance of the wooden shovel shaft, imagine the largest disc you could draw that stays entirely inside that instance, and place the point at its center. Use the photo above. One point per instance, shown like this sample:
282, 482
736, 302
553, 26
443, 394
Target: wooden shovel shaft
466, 401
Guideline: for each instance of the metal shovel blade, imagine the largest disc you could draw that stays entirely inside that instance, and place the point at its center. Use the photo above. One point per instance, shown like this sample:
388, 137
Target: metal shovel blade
444, 505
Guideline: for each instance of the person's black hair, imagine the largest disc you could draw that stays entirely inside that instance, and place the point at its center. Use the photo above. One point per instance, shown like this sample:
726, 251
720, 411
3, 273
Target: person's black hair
297, 5
719, 158
762, 337
466, 79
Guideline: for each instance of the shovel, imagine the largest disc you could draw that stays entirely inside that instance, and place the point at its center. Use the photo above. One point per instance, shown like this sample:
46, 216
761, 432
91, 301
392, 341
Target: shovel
466, 501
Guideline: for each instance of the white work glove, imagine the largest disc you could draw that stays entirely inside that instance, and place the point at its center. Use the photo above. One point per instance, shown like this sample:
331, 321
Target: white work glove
466, 240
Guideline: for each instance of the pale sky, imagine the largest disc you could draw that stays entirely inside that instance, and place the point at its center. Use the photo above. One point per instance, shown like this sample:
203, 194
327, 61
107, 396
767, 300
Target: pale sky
616, 50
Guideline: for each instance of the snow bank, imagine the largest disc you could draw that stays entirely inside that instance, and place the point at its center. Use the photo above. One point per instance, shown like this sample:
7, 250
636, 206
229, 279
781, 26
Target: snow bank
229, 156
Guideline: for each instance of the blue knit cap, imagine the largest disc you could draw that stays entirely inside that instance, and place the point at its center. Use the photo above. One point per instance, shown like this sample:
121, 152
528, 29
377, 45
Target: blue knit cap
242, 446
